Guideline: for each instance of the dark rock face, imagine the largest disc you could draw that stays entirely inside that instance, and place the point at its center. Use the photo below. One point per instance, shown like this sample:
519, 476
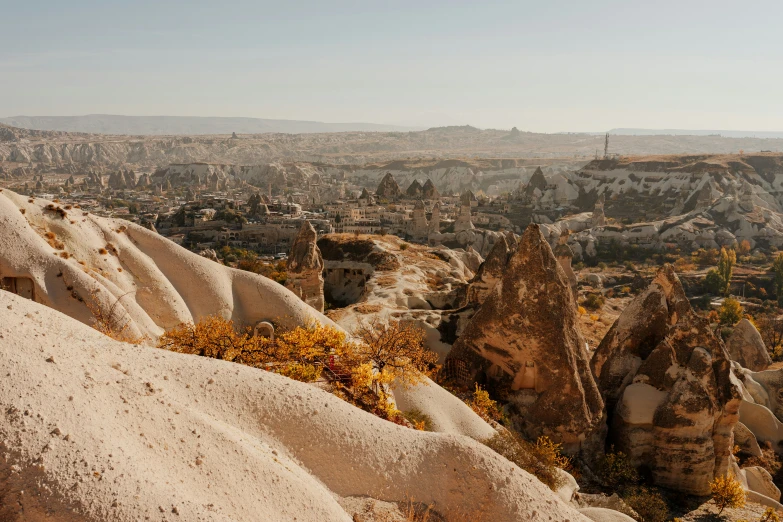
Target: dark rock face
667, 382
489, 272
388, 187
537, 181
414, 190
429, 191
524, 343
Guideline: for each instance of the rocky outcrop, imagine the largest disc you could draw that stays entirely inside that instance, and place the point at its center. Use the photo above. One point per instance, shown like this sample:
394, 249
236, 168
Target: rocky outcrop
414, 190
670, 394
524, 343
388, 188
564, 256
305, 268
429, 191
489, 272
746, 347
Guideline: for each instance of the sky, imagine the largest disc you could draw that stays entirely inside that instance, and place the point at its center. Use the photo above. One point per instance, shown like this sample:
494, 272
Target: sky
545, 66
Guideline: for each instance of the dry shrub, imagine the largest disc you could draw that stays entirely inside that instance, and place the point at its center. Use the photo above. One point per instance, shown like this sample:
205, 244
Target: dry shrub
727, 492
22, 210
396, 350
648, 503
615, 471
359, 372
527, 456
484, 406
594, 301
65, 255
103, 251
367, 308
420, 421
112, 322
298, 353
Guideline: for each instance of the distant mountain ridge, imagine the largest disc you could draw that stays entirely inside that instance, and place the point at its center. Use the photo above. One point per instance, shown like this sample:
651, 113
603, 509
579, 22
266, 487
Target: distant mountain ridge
687, 132
188, 125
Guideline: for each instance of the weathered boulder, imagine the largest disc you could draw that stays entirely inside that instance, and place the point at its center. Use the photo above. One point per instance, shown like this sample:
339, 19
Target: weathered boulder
746, 346
305, 267
525, 345
746, 440
671, 398
760, 481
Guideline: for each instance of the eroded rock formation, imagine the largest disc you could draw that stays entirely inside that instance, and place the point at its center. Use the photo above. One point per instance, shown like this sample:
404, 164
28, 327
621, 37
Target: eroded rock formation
305, 268
746, 347
388, 188
670, 394
524, 343
489, 272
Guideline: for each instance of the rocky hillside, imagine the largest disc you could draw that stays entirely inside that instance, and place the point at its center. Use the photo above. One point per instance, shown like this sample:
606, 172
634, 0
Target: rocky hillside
348, 147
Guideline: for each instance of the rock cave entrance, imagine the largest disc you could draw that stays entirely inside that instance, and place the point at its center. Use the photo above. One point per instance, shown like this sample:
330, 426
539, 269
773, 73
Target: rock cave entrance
21, 286
344, 286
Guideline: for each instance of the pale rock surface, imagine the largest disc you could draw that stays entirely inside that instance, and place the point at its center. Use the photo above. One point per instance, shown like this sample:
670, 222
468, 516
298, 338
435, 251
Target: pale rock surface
138, 433
149, 282
745, 439
746, 346
760, 481
525, 341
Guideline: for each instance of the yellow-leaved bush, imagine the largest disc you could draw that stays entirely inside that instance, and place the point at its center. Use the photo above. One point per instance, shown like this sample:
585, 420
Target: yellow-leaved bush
358, 371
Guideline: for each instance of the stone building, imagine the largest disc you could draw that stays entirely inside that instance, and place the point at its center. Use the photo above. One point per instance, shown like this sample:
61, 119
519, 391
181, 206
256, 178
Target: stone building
419, 228
464, 221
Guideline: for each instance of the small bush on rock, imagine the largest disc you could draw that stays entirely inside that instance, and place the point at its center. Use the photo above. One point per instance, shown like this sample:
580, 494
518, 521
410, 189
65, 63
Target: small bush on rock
727, 492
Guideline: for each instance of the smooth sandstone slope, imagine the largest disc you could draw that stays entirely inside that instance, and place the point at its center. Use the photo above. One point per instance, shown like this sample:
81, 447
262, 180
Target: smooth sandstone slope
152, 283
94, 429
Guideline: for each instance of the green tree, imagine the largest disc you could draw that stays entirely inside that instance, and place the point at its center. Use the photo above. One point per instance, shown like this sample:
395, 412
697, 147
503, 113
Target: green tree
728, 258
777, 267
714, 282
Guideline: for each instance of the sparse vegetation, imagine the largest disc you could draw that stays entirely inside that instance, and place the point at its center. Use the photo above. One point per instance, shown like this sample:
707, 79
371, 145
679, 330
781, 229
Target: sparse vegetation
484, 406
112, 322
647, 502
527, 456
727, 492
594, 301
616, 471
420, 421
358, 371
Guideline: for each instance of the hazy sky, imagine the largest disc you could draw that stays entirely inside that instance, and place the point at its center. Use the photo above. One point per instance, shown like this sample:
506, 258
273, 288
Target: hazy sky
547, 65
